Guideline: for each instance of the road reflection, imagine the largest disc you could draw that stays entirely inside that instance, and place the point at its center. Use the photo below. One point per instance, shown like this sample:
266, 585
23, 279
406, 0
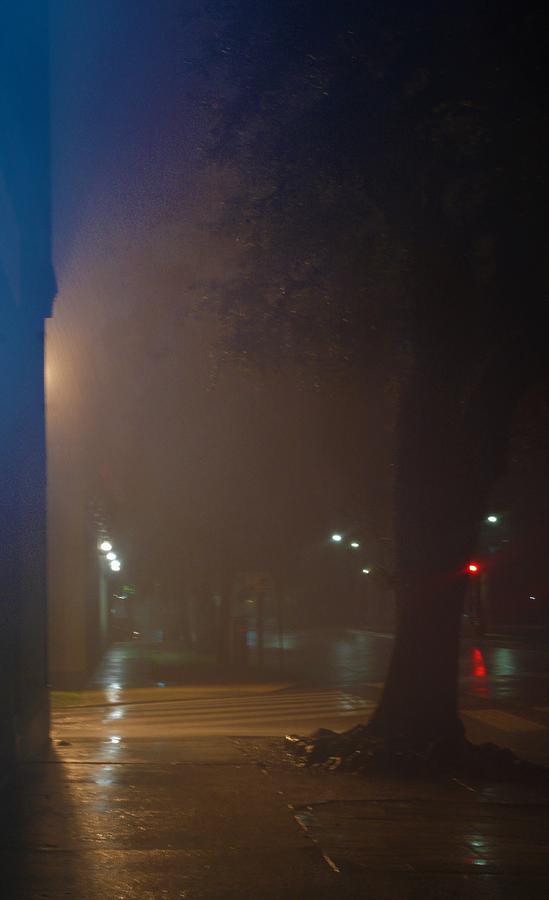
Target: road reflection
352, 659
479, 672
338, 658
344, 658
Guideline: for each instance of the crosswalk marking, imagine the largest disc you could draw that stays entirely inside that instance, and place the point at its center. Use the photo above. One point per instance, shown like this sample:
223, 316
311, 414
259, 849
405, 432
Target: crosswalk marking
241, 705
284, 698
503, 721
246, 716
254, 713
237, 715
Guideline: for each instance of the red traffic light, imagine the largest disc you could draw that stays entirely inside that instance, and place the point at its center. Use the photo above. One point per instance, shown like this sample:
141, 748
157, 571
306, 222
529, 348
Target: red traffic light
473, 568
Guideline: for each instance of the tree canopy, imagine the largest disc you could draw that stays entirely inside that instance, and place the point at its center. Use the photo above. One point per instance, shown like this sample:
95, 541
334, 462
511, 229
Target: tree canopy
391, 178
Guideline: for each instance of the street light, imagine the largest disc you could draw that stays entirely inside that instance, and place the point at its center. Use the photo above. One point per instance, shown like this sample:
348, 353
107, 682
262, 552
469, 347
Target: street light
476, 586
493, 520
355, 545
337, 538
115, 565
105, 546
111, 556
366, 571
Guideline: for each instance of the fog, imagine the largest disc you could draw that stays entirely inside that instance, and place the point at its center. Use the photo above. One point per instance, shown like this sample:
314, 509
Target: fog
193, 460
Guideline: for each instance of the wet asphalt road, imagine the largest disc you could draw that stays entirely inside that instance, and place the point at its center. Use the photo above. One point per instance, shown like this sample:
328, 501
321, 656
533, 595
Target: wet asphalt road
329, 680
505, 670
502, 670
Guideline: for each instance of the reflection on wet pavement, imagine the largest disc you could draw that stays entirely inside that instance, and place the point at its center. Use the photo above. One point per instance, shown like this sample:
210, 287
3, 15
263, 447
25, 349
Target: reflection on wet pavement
128, 807
518, 673
345, 658
229, 819
434, 831
479, 685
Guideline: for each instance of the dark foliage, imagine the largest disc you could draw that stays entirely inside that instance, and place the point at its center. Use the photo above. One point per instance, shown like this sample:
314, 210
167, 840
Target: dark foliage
391, 180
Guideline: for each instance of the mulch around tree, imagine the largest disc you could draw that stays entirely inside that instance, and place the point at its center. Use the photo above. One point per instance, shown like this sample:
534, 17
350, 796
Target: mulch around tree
359, 750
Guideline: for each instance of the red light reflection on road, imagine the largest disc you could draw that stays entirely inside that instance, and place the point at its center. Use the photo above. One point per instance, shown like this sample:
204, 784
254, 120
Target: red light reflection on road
479, 672
479, 668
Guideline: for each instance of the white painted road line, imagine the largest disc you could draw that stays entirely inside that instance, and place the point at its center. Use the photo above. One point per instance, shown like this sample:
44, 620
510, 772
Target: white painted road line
503, 721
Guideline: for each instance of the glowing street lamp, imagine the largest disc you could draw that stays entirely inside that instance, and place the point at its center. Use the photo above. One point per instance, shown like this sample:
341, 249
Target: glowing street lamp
111, 556
337, 538
493, 520
115, 565
105, 546
355, 545
366, 571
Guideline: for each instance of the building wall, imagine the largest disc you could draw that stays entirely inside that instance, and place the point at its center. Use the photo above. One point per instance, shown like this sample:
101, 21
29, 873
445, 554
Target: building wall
27, 288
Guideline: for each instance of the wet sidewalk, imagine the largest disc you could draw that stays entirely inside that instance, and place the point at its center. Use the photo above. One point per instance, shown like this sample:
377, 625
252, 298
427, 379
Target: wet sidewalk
110, 814
228, 818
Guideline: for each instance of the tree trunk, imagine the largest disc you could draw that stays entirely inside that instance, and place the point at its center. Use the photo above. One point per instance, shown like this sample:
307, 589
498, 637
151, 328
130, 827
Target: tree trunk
449, 458
419, 702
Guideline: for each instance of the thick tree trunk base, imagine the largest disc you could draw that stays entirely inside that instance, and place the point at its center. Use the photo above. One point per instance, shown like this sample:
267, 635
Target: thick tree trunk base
363, 749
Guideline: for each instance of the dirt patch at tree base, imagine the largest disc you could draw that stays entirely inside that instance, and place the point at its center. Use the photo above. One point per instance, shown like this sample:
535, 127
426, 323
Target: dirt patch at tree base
360, 750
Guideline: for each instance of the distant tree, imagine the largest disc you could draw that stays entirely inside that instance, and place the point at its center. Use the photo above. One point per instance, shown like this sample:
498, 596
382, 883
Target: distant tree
390, 212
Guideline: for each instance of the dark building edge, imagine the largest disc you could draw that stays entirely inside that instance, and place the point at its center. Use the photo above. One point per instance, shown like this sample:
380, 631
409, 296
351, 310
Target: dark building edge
27, 289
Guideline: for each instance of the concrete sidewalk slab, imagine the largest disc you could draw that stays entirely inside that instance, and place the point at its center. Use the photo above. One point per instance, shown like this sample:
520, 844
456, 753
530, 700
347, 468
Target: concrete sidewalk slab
222, 818
207, 825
